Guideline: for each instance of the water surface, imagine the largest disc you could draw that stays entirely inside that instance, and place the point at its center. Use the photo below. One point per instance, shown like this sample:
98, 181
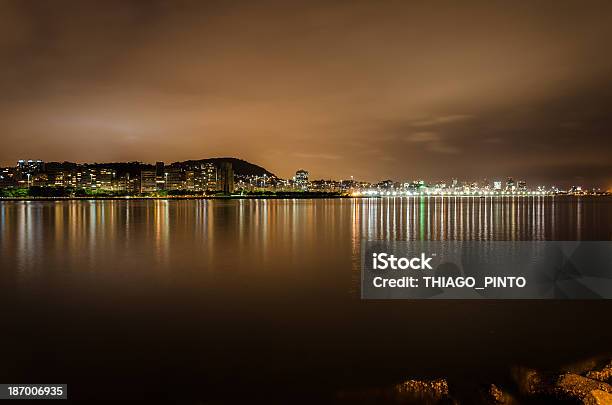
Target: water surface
231, 299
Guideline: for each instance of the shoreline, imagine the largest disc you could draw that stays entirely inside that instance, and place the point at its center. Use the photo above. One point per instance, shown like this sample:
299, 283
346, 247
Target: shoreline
129, 198
290, 197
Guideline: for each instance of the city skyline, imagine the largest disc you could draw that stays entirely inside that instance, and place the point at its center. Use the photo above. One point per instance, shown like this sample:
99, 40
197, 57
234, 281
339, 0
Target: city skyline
204, 174
357, 89
396, 177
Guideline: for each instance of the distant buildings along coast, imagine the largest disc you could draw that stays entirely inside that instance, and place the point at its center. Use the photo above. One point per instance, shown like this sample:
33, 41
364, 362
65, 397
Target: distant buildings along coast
229, 176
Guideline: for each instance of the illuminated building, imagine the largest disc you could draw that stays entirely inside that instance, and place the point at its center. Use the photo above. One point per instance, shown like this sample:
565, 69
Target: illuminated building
86, 178
127, 183
57, 177
148, 181
7, 177
104, 179
325, 185
192, 180
30, 166
200, 176
39, 179
210, 176
133, 184
175, 179
301, 179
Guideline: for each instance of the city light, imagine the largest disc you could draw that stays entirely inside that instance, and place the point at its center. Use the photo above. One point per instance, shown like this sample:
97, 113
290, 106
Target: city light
203, 178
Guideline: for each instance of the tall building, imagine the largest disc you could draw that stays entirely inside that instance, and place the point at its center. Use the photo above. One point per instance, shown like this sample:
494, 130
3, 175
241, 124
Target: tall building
83, 179
226, 178
148, 181
175, 179
301, 179
105, 179
193, 180
210, 176
87, 177
199, 176
510, 185
133, 184
160, 175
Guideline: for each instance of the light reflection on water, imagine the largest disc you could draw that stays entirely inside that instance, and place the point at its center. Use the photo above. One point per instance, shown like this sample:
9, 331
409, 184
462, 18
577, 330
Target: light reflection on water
486, 218
256, 234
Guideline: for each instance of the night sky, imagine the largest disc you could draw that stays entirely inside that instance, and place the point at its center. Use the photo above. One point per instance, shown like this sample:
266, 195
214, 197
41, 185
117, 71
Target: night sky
373, 89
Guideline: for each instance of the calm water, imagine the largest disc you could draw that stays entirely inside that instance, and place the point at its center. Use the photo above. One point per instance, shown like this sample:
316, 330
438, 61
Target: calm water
231, 299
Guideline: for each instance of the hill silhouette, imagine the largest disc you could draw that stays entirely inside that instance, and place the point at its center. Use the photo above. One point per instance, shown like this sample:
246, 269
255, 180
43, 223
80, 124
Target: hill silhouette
241, 167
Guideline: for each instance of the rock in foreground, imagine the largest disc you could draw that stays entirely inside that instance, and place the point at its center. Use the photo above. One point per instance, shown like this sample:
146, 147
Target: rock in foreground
604, 375
576, 387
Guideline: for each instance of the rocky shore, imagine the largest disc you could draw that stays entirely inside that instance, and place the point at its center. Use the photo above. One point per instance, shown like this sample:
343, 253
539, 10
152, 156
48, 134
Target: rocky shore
588, 382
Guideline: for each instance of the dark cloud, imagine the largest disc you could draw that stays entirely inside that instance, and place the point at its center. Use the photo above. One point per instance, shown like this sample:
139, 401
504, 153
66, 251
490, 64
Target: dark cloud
370, 89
